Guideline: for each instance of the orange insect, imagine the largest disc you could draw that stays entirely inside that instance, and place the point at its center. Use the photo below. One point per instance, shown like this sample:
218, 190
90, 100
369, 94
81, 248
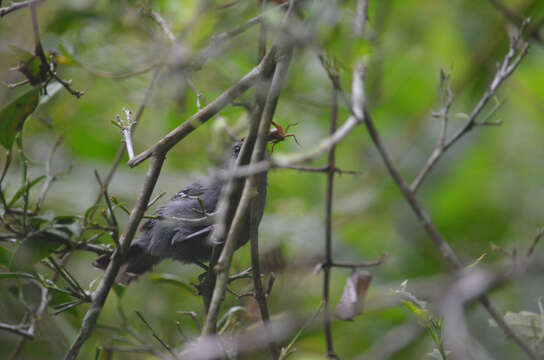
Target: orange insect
279, 134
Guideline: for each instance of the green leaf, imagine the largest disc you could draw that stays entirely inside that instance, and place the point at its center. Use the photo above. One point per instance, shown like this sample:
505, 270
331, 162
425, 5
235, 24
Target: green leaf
119, 290
34, 248
68, 58
5, 256
21, 53
89, 213
11, 275
173, 280
13, 116
421, 314
24, 189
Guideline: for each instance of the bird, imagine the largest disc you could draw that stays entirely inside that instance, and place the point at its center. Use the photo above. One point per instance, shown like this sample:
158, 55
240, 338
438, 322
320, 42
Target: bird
165, 235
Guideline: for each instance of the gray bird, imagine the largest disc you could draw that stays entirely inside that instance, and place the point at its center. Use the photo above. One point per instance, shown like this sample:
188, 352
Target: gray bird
165, 237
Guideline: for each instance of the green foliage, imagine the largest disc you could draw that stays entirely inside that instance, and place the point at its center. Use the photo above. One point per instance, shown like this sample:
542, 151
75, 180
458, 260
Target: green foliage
13, 116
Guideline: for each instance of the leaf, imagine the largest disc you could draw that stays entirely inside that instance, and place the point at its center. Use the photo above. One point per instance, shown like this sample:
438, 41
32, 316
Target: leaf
34, 248
172, 280
526, 323
119, 290
23, 189
21, 53
11, 275
67, 58
229, 314
13, 116
352, 302
5, 256
422, 315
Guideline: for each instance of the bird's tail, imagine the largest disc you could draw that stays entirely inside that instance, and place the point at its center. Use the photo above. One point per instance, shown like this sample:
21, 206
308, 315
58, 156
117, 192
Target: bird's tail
136, 263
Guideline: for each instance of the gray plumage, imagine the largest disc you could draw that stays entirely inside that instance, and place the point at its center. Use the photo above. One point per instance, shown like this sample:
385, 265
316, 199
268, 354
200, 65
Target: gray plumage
166, 237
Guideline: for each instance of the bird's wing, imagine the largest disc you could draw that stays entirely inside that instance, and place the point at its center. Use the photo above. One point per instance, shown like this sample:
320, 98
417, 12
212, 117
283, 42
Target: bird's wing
182, 236
190, 194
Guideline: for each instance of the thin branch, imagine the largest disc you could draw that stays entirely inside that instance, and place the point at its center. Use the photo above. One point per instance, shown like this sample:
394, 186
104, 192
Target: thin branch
18, 5
49, 176
260, 294
443, 246
331, 164
323, 169
364, 264
13, 86
121, 150
505, 69
156, 336
114, 223
250, 190
536, 240
101, 293
41, 54
223, 100
361, 17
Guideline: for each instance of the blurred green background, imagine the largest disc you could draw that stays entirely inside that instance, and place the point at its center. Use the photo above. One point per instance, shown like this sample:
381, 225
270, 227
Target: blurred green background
487, 188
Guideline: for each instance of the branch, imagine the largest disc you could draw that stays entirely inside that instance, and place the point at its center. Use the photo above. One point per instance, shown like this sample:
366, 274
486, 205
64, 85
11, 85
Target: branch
156, 336
260, 294
176, 135
331, 164
250, 190
444, 248
18, 5
121, 149
101, 293
505, 69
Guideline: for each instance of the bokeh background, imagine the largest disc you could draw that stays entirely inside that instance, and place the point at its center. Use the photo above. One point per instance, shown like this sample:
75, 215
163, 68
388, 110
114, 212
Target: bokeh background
486, 190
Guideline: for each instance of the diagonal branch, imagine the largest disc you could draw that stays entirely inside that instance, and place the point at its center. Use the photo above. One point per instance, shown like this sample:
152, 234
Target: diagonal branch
443, 246
250, 190
505, 69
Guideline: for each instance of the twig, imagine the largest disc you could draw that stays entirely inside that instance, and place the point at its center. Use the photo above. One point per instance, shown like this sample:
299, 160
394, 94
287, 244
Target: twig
324, 169
372, 263
121, 149
434, 234
250, 190
114, 223
285, 161
328, 230
126, 126
223, 100
18, 5
156, 336
393, 341
101, 293
13, 86
41, 54
49, 177
537, 239
361, 17
260, 294
505, 69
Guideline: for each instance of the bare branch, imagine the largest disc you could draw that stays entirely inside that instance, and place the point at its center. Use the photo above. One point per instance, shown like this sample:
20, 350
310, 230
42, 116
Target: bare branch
101, 293
328, 230
156, 336
434, 234
506, 68
18, 5
250, 190
121, 149
176, 135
